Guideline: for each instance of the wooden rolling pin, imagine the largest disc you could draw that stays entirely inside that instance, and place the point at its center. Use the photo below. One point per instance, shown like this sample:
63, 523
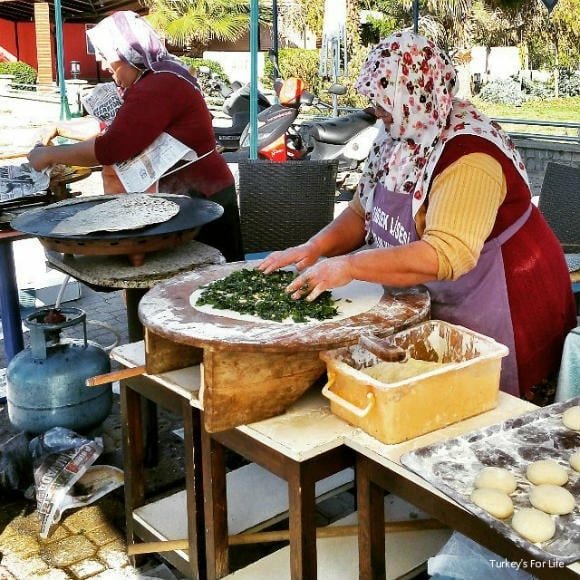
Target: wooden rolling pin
115, 376
284, 535
382, 349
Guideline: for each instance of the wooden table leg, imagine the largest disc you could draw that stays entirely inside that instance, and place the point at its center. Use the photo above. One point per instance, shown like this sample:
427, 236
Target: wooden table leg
301, 495
136, 333
371, 537
194, 490
133, 455
216, 510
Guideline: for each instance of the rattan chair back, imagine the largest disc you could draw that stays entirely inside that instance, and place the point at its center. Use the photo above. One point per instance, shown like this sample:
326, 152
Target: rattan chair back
560, 204
284, 204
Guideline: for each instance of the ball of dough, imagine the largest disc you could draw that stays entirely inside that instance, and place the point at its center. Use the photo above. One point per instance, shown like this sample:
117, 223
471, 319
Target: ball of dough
547, 472
494, 502
552, 499
496, 478
575, 461
571, 418
534, 525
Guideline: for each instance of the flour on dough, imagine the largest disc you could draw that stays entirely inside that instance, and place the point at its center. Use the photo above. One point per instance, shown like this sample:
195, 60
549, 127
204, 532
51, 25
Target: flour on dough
546, 472
571, 418
534, 525
495, 502
575, 461
552, 499
496, 478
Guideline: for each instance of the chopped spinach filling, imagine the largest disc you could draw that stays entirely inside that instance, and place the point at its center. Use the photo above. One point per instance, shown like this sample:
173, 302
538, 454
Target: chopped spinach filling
253, 292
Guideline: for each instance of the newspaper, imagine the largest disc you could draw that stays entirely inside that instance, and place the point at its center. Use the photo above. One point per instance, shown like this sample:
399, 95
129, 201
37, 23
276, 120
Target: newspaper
18, 181
64, 476
103, 102
139, 173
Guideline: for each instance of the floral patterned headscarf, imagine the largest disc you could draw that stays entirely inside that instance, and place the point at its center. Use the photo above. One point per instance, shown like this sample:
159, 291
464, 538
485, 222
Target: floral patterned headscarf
414, 81
125, 36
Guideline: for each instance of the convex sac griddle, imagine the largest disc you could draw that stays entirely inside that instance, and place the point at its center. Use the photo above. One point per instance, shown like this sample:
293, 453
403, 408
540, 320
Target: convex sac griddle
135, 243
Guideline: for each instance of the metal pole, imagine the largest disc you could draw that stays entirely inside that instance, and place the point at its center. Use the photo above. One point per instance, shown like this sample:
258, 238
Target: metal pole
416, 16
275, 35
254, 31
64, 108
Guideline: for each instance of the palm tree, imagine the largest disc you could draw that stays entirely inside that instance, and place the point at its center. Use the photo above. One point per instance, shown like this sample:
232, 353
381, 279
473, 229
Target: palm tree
189, 22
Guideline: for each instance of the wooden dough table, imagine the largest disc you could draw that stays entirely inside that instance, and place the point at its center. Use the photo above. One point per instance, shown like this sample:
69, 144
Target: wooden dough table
379, 469
256, 369
253, 371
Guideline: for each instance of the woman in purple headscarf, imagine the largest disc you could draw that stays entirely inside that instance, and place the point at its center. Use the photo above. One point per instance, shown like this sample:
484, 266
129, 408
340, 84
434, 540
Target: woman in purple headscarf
159, 96
445, 201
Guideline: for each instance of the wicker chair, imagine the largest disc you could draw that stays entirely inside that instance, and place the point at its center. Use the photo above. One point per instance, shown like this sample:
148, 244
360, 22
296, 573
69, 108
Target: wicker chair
560, 204
284, 204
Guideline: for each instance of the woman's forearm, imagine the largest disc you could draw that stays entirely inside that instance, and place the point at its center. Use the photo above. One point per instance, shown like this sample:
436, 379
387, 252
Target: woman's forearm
415, 263
81, 154
343, 235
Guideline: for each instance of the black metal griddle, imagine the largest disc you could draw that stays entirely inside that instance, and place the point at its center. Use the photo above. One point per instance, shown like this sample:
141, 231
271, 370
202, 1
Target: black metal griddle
40, 222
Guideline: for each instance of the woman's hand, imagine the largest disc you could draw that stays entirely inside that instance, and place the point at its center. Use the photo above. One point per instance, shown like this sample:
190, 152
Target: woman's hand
40, 157
300, 256
325, 275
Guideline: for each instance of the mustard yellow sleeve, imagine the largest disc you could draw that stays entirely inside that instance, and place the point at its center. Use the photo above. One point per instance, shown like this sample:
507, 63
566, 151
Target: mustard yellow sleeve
463, 204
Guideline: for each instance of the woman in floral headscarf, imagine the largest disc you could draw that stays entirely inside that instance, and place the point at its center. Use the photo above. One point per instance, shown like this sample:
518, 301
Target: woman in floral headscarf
445, 201
159, 96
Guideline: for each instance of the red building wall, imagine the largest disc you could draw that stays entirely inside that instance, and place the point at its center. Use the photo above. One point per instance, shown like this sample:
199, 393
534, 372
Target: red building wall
20, 40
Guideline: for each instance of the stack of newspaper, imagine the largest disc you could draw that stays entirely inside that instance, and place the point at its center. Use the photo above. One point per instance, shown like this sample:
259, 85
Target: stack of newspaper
21, 181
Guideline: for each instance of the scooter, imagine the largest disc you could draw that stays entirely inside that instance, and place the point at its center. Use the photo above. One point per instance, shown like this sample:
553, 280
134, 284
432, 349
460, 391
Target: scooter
347, 138
278, 138
237, 107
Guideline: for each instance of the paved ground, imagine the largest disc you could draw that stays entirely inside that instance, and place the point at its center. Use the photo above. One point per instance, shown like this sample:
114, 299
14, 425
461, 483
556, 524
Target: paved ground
88, 542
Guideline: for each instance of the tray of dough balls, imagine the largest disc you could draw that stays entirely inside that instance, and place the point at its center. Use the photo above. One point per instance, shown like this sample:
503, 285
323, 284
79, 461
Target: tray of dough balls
521, 476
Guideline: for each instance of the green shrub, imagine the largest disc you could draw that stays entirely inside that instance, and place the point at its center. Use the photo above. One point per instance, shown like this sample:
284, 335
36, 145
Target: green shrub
23, 73
304, 64
214, 66
569, 83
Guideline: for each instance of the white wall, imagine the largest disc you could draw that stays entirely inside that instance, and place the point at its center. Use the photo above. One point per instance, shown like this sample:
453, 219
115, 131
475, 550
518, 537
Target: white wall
500, 63
236, 64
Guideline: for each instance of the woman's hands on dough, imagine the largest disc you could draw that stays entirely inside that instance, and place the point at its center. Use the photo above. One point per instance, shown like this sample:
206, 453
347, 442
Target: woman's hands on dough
325, 275
300, 256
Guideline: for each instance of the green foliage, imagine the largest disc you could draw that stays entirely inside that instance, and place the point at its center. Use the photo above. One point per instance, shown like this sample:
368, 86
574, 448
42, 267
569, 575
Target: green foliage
296, 62
214, 66
537, 89
569, 83
184, 22
23, 73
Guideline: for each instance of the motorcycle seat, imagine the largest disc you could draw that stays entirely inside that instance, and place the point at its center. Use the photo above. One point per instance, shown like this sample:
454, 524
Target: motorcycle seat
340, 130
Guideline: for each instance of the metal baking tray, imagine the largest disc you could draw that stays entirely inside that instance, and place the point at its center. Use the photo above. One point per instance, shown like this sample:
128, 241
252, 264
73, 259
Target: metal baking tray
451, 466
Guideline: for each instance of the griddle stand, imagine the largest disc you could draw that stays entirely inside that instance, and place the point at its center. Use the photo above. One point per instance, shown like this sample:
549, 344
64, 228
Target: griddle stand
116, 273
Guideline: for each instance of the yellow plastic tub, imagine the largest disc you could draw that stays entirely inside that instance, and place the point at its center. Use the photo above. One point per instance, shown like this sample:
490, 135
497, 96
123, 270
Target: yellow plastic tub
466, 385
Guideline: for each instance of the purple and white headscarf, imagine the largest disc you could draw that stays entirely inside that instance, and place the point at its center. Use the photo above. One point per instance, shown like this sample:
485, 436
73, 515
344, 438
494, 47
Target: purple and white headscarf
125, 36
413, 80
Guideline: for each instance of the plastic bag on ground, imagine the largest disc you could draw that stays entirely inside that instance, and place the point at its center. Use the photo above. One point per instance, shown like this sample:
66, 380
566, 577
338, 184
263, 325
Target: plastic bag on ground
63, 479
461, 558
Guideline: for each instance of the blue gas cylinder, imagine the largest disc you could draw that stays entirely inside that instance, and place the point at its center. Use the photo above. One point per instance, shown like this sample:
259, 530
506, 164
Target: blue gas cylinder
46, 382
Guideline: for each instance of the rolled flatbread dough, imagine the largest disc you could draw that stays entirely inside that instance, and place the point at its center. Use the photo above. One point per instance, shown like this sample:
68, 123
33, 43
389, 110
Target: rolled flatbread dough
354, 298
546, 472
552, 499
495, 502
534, 525
129, 211
571, 418
496, 478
